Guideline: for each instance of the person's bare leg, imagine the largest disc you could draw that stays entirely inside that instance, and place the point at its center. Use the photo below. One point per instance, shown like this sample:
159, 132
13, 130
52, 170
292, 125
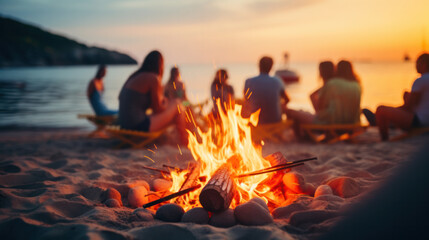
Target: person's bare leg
389, 115
169, 115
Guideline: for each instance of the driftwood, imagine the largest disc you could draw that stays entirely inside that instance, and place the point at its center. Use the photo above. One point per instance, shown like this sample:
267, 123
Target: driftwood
218, 193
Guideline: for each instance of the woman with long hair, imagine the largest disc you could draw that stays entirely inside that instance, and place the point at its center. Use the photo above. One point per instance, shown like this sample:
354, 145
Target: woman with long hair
143, 90
220, 89
95, 92
326, 72
175, 88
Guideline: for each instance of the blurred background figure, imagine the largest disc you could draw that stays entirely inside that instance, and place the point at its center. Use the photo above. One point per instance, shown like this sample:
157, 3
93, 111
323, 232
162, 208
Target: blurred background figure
414, 112
95, 92
143, 90
338, 101
326, 72
175, 88
266, 93
220, 89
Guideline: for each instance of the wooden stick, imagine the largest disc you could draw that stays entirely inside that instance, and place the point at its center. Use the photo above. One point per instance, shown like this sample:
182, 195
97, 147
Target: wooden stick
168, 166
171, 196
284, 165
289, 163
268, 171
155, 169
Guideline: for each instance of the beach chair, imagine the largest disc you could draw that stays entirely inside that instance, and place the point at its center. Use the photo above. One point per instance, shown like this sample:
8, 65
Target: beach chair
136, 139
272, 132
100, 123
333, 132
411, 133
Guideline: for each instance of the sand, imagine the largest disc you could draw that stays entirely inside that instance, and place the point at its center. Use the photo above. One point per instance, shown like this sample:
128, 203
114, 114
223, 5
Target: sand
52, 183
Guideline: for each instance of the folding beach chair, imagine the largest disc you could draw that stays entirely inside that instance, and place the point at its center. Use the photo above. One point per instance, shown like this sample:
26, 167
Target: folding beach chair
411, 133
271, 132
334, 132
100, 123
136, 139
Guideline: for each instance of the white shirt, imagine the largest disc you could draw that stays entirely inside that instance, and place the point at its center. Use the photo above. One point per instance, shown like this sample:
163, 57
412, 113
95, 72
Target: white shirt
421, 85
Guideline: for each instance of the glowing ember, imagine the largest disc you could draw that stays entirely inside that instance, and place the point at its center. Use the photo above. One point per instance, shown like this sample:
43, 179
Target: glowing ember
228, 140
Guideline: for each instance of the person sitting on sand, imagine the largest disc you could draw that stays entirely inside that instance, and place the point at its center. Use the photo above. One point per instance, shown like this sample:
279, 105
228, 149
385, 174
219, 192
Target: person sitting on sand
220, 89
338, 100
266, 93
415, 111
143, 90
326, 72
95, 92
175, 88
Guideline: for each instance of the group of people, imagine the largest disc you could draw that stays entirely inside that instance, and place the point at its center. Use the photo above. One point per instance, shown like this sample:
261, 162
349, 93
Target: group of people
336, 102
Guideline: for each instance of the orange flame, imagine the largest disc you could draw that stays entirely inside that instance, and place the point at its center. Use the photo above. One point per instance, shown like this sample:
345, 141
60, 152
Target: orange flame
227, 140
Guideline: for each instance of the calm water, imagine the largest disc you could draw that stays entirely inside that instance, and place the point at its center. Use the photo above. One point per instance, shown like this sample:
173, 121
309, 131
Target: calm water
53, 96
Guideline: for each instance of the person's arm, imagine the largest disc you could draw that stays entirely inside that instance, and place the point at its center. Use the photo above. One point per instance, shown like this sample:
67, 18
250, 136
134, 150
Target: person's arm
411, 100
159, 102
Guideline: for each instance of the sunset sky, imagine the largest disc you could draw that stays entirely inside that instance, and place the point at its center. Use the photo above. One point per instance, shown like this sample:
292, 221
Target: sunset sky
191, 31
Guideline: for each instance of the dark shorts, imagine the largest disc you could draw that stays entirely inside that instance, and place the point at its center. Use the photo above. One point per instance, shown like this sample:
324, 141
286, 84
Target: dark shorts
144, 125
416, 122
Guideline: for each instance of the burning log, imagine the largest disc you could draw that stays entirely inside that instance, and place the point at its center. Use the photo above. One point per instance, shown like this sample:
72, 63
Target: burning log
191, 179
218, 193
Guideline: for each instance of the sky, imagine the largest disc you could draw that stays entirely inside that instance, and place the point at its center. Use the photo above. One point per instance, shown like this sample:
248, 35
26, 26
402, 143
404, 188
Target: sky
237, 31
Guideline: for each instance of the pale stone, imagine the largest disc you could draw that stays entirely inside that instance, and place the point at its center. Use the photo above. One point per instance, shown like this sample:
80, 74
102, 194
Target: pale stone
112, 203
196, 215
260, 201
170, 212
252, 214
345, 187
323, 190
143, 214
223, 219
137, 196
160, 185
114, 194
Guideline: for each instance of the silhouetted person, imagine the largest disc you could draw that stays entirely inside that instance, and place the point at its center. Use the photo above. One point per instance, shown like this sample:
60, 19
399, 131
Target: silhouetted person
175, 88
326, 72
220, 89
266, 93
338, 100
95, 92
143, 90
415, 111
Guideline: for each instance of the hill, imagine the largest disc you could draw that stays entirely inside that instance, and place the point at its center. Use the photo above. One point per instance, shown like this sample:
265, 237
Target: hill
26, 45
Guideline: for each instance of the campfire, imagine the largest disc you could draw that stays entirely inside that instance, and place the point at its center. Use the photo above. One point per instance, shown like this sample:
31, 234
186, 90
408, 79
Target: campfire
229, 168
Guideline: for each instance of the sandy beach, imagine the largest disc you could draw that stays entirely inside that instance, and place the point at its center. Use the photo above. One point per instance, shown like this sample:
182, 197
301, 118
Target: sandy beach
52, 184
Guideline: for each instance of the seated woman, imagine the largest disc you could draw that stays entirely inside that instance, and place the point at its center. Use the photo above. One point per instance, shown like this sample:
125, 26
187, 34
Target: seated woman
143, 90
338, 100
220, 89
326, 72
95, 91
175, 88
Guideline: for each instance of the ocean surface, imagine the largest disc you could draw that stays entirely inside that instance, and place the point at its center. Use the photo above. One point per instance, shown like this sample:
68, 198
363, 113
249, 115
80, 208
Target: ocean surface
51, 97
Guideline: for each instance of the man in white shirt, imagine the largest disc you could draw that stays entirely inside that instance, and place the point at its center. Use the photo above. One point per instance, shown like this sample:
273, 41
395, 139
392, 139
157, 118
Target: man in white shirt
415, 111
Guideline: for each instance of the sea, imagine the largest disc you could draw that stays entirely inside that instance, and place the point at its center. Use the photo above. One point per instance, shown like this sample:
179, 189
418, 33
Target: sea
52, 97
